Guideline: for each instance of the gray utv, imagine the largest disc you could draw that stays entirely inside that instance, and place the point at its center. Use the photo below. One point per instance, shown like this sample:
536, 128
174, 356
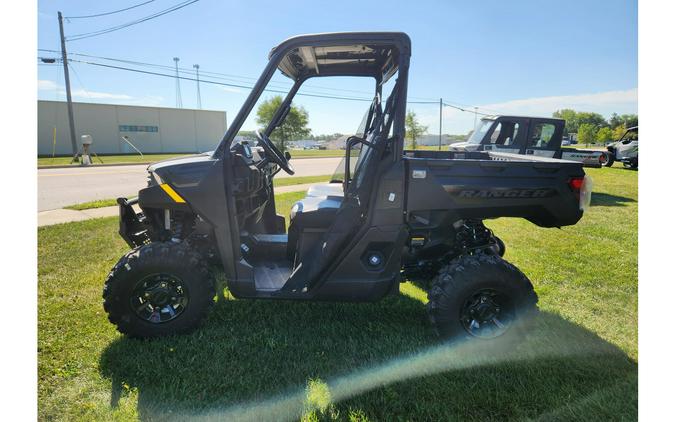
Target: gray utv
625, 149
394, 216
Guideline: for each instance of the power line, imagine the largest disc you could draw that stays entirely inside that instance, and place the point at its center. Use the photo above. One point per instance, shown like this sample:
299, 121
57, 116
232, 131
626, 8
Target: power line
276, 91
224, 76
214, 75
79, 80
240, 85
109, 13
135, 22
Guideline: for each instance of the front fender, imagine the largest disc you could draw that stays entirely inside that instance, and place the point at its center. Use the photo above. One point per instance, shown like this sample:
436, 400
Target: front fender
159, 196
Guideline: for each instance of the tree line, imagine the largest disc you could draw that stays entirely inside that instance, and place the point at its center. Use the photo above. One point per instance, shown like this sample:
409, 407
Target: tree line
593, 127
590, 127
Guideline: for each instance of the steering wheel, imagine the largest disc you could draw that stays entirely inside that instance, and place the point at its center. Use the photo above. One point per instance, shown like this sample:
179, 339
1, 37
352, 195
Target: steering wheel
273, 153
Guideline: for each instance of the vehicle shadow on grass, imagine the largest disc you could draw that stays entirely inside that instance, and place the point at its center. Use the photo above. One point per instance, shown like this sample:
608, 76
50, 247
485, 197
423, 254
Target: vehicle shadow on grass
601, 199
264, 360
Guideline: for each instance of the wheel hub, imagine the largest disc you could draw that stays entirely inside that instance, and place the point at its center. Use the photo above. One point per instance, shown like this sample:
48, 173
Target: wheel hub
486, 314
159, 298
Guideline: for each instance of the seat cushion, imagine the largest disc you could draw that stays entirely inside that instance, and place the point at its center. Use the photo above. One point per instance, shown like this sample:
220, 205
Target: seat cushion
327, 190
314, 211
311, 212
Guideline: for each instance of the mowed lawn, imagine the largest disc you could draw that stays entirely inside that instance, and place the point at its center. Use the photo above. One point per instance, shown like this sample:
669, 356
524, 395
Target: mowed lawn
264, 360
151, 158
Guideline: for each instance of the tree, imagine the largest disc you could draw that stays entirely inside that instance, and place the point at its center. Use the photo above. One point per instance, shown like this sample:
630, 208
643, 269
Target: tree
413, 128
294, 126
625, 120
593, 119
618, 132
574, 119
570, 117
604, 134
587, 133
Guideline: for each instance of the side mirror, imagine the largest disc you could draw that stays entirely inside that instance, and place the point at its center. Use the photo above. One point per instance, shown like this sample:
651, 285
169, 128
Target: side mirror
287, 155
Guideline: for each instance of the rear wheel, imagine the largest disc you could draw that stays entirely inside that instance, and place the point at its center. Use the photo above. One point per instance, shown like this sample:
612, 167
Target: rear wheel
158, 289
480, 296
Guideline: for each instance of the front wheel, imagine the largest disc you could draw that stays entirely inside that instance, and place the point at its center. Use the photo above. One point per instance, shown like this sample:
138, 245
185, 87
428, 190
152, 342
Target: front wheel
480, 296
609, 160
632, 164
158, 289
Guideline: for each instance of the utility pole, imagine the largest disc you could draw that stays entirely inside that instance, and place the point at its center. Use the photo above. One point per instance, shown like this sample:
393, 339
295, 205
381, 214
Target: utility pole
199, 94
475, 117
179, 100
69, 98
440, 122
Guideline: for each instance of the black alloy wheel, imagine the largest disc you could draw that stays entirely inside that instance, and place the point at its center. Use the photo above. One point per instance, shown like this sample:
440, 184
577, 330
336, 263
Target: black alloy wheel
159, 298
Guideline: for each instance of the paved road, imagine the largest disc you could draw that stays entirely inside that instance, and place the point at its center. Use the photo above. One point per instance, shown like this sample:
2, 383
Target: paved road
66, 186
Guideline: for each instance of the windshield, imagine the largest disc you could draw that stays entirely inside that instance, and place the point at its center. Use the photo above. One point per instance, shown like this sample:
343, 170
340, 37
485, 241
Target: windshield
631, 134
479, 133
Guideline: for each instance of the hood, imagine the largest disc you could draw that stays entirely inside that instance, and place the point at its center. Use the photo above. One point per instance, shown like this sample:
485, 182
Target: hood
196, 158
184, 171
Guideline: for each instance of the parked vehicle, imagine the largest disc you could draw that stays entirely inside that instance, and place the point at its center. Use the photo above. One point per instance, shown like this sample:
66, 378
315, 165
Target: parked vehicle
536, 136
625, 149
393, 216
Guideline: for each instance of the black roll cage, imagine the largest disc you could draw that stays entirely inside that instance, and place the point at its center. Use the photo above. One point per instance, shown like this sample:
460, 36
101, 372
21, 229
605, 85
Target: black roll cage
397, 40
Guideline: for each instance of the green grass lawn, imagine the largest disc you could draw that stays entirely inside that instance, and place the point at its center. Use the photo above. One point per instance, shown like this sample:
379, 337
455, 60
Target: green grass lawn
99, 203
317, 153
300, 180
151, 158
108, 159
257, 360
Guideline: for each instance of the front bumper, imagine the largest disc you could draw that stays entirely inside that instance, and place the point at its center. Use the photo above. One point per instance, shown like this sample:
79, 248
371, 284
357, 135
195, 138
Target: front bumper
133, 229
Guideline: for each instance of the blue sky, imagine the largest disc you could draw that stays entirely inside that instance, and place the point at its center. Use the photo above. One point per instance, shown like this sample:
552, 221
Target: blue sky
524, 57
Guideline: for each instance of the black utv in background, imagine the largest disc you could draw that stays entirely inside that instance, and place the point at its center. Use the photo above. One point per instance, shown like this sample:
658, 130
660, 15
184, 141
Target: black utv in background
538, 136
396, 215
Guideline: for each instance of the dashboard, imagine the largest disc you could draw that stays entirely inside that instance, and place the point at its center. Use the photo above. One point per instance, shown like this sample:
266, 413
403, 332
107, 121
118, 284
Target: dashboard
252, 180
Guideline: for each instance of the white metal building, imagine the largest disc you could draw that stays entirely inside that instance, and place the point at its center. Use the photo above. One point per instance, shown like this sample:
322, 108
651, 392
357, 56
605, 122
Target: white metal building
150, 129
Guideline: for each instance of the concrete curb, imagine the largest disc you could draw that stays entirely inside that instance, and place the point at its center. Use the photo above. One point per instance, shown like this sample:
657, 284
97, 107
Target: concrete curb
73, 166
51, 217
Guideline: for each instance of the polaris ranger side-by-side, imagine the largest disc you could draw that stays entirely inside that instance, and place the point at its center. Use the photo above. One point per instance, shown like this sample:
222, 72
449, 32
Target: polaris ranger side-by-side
625, 149
396, 215
539, 136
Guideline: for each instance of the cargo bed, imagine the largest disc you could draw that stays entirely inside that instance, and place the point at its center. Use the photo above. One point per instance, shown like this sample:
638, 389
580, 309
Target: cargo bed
448, 186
